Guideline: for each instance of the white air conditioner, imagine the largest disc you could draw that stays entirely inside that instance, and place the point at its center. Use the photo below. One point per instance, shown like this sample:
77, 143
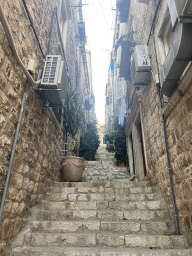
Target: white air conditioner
54, 80
180, 10
140, 65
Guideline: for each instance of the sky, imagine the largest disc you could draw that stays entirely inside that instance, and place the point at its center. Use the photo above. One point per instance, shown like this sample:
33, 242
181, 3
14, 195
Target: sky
99, 23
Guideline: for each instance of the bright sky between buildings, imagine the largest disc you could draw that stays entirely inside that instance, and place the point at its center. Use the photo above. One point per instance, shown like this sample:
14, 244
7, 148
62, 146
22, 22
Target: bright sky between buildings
100, 19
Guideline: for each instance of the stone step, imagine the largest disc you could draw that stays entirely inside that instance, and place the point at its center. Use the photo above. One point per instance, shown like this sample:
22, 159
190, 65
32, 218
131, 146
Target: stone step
108, 177
132, 215
103, 197
106, 240
103, 190
103, 184
159, 227
70, 251
101, 205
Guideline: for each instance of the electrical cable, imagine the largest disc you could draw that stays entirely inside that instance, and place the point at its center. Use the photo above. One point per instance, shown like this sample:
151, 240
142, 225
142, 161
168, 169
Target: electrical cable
33, 28
98, 18
9, 36
42, 18
61, 42
111, 4
154, 19
48, 48
105, 21
102, 2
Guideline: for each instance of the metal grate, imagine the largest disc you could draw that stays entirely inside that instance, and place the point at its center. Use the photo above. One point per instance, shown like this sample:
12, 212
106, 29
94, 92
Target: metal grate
51, 69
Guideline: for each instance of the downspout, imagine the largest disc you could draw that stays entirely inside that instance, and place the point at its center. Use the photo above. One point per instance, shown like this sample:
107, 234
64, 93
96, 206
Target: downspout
176, 220
9, 36
12, 157
177, 231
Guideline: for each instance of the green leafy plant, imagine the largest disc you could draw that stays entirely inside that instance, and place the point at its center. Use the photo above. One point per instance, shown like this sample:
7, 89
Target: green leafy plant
89, 142
73, 114
75, 147
109, 136
110, 148
120, 142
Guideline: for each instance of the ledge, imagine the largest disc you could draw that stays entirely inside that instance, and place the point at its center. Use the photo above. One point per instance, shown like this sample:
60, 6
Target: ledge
179, 92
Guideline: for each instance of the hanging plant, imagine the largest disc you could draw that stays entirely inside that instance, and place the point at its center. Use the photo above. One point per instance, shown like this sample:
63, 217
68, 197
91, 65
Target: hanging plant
73, 114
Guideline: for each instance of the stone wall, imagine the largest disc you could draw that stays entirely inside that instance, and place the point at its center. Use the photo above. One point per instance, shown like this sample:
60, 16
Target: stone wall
178, 124
38, 151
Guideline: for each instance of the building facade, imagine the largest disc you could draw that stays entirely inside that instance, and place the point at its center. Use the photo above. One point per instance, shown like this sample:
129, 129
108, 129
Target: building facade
29, 32
152, 50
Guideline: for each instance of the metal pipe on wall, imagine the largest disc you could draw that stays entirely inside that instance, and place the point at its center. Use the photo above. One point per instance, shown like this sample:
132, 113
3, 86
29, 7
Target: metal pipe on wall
177, 229
12, 157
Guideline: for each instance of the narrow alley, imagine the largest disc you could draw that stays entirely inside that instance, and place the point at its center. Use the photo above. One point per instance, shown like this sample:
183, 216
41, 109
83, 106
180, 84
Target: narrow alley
96, 127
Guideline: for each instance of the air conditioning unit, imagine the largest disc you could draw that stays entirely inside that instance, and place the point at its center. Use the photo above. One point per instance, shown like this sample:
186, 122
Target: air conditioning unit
54, 80
140, 65
180, 10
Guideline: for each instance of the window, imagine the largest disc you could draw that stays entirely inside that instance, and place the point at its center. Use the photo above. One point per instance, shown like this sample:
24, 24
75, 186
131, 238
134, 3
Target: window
166, 35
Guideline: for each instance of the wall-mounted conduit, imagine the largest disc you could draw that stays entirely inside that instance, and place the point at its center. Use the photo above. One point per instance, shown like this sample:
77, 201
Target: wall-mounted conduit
9, 36
176, 219
12, 157
33, 28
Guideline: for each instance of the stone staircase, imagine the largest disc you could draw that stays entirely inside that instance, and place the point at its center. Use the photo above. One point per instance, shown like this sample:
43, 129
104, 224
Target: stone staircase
103, 218
104, 169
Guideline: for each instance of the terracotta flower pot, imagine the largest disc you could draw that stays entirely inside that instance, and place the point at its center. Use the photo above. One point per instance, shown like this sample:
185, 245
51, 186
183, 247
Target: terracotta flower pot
72, 168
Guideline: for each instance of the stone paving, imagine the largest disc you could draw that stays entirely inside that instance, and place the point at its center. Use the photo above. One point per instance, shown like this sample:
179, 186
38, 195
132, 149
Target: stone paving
104, 169
111, 216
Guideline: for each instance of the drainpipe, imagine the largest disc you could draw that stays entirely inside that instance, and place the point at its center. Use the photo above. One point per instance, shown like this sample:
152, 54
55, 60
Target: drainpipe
12, 157
177, 230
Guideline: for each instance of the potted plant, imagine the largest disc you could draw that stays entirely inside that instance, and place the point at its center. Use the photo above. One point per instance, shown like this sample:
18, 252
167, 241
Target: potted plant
73, 116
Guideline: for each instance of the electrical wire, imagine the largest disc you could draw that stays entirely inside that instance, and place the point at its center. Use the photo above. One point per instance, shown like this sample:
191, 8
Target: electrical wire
111, 4
10, 39
105, 21
43, 16
33, 28
102, 2
98, 19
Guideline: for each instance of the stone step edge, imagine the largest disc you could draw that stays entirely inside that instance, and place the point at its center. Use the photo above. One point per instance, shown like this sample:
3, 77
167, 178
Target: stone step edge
146, 196
102, 183
104, 252
107, 204
128, 227
107, 221
120, 215
105, 192
106, 241
105, 210
174, 238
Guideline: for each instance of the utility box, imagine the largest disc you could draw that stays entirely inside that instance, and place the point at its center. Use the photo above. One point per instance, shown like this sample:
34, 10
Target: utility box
55, 81
140, 65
